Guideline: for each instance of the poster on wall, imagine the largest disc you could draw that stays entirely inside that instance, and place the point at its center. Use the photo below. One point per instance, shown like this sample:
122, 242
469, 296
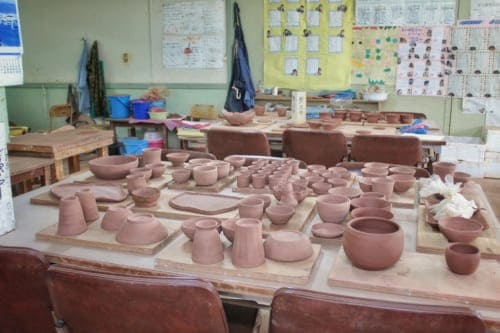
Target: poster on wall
480, 9
11, 46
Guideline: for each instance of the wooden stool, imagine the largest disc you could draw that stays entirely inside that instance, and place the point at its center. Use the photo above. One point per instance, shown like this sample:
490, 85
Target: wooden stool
24, 169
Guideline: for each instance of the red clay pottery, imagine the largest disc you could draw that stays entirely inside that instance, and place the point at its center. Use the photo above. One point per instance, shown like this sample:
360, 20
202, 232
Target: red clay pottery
321, 187
238, 118
265, 198
373, 243
288, 196
462, 258
89, 205
325, 115
374, 172
145, 197
251, 208
248, 249
205, 175
393, 118
181, 176
383, 185
460, 229
71, 218
200, 161
280, 214
188, 227
236, 161
372, 117
363, 132
340, 114
222, 168
443, 168
328, 126
314, 124
373, 195
376, 165
115, 217
333, 208
135, 182
243, 179
349, 192
141, 229
314, 179
258, 180
113, 167
402, 170
288, 246
177, 159
147, 172
402, 182
312, 167
228, 226
371, 202
337, 182
281, 111
406, 118
151, 156
103, 192
207, 248
157, 169
365, 184
461, 177
260, 110
327, 230
371, 212
355, 115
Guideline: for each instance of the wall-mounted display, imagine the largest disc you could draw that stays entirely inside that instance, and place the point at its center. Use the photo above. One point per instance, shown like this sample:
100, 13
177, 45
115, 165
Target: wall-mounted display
11, 46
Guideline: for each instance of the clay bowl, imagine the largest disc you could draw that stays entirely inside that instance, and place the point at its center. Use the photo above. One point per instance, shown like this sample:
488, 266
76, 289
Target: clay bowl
443, 168
147, 172
205, 175
251, 208
402, 170
406, 118
181, 176
188, 226
113, 167
332, 208
462, 258
228, 228
372, 117
374, 172
337, 169
460, 229
393, 118
157, 169
259, 110
340, 114
223, 168
300, 192
371, 202
376, 165
325, 115
145, 196
177, 159
236, 161
115, 217
280, 214
371, 212
328, 126
373, 243
355, 115
199, 161
238, 118
327, 230
287, 245
365, 184
313, 179
349, 192
402, 182
265, 198
461, 177
321, 187
141, 229
378, 195
337, 182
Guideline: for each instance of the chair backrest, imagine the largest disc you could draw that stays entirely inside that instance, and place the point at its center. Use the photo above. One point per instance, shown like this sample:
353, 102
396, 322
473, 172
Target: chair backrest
315, 147
395, 149
308, 311
224, 142
89, 301
24, 299
203, 111
61, 110
192, 153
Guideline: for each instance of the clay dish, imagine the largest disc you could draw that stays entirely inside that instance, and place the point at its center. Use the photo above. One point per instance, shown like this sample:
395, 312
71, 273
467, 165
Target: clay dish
177, 159
251, 208
236, 161
460, 229
461, 177
332, 208
462, 258
371, 212
188, 226
181, 176
376, 165
265, 198
337, 182
363, 132
287, 245
204, 203
115, 217
223, 168
327, 230
378, 195
349, 192
371, 202
402, 170
157, 169
113, 167
238, 118
228, 228
443, 168
321, 187
402, 182
280, 214
141, 229
145, 196
205, 175
365, 184
147, 172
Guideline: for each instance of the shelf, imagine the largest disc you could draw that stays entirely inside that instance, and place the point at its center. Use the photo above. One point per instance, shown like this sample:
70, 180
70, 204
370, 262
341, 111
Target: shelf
311, 99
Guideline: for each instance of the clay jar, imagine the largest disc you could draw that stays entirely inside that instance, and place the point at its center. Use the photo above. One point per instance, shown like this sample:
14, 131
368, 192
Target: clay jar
462, 258
141, 229
147, 172
251, 208
71, 218
135, 182
146, 196
207, 248
248, 248
333, 208
383, 185
205, 175
177, 159
89, 205
288, 246
280, 214
151, 156
373, 243
443, 168
157, 169
115, 217
181, 176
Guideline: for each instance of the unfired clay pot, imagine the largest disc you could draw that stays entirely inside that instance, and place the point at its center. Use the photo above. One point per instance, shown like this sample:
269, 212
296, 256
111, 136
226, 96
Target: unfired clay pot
372, 117
402, 170
177, 159
181, 176
402, 182
365, 184
115, 217
406, 118
372, 212
280, 214
243, 179
314, 124
258, 180
71, 218
146, 196
374, 172
248, 248
371, 202
288, 246
147, 172
188, 227
113, 167
321, 187
460, 229
251, 208
443, 168
333, 208
340, 114
222, 168
373, 243
151, 156
393, 118
462, 258
350, 192
89, 205
135, 182
325, 115
355, 115
265, 198
281, 111
157, 169
141, 229
205, 175
236, 161
383, 185
228, 226
337, 182
207, 248
376, 165
200, 161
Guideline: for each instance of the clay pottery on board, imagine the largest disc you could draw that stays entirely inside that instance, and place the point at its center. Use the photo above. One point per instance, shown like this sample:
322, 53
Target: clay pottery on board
113, 167
402, 170
115, 217
151, 156
207, 248
372, 117
373, 243
265, 198
188, 226
376, 165
460, 229
223, 168
365, 184
157, 169
288, 246
300, 192
258, 180
337, 182
228, 226
333, 208
89, 204
327, 230
373, 195
205, 175
248, 248
443, 168
406, 118
280, 214
340, 114
275, 179
238, 118
393, 118
462, 258
461, 177
314, 124
260, 110
236, 161
402, 182
135, 182
147, 172
371, 212
383, 185
325, 115
243, 179
374, 172
141, 229
145, 196
199, 161
177, 159
350, 192
181, 176
355, 115
321, 187
71, 218
281, 111
371, 202
251, 208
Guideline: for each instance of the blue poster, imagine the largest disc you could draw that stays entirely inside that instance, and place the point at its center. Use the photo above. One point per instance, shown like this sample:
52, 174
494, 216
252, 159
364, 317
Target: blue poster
10, 28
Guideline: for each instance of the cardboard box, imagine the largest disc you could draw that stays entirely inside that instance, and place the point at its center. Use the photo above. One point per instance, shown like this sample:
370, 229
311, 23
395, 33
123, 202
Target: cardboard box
493, 138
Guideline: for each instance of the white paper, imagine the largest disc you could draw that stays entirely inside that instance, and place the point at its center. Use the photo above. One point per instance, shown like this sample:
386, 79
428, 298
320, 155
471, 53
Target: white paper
313, 18
293, 18
291, 43
313, 43
274, 43
335, 44
7, 219
274, 18
335, 19
291, 66
484, 9
312, 66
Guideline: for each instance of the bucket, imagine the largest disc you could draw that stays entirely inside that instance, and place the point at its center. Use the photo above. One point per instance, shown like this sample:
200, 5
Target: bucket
119, 105
140, 108
133, 146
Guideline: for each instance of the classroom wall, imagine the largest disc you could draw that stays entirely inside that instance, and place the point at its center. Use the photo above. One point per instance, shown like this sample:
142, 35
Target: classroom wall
4, 118
52, 33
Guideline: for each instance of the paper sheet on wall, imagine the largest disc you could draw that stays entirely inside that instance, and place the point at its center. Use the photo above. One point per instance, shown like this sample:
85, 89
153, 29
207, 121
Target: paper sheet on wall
7, 219
490, 107
484, 9
11, 46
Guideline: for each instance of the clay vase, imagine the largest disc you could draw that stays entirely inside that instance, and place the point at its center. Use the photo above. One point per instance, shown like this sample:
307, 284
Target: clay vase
373, 243
462, 258
147, 172
151, 155
248, 248
181, 176
145, 196
243, 179
383, 185
177, 159
115, 217
141, 229
333, 208
443, 168
251, 208
205, 175
71, 218
157, 169
207, 248
265, 198
89, 205
135, 182
287, 196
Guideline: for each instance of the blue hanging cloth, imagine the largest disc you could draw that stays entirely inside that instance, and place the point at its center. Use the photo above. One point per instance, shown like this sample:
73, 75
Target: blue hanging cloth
82, 86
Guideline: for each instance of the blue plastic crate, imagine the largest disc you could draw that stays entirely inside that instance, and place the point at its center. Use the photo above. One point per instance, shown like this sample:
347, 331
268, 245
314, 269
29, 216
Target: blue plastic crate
132, 146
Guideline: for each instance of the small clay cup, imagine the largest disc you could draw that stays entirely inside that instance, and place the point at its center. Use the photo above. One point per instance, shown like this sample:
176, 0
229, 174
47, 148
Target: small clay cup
287, 246
147, 172
337, 182
258, 180
157, 169
259, 110
355, 115
372, 212
141, 229
374, 172
443, 168
383, 185
223, 168
321, 187
146, 196
462, 258
181, 176
135, 182
115, 217
251, 208
402, 170
151, 156
177, 159
207, 248
461, 177
349, 192
265, 198
376, 165
243, 179
402, 182
460, 229
236, 161
89, 205
71, 218
248, 248
280, 214
371, 202
188, 227
333, 208
205, 175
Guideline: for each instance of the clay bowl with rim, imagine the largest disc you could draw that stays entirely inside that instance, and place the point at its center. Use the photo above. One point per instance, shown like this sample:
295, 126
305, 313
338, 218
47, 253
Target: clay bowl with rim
251, 208
181, 176
373, 243
113, 167
462, 258
337, 182
371, 202
265, 198
236, 161
461, 177
332, 208
402, 182
288, 246
321, 187
372, 194
205, 175
365, 184
327, 230
313, 179
145, 196
228, 226
200, 161
141, 229
238, 118
443, 168
157, 169
147, 172
372, 212
402, 170
280, 214
188, 227
460, 229
115, 217
374, 172
223, 168
376, 165
349, 192
177, 159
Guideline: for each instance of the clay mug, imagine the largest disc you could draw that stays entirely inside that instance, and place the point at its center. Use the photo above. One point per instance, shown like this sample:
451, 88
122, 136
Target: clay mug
71, 218
207, 248
251, 208
89, 204
135, 182
248, 248
151, 156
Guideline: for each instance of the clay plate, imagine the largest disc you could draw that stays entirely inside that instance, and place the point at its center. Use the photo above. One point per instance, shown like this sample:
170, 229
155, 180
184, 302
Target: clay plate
327, 230
208, 204
102, 192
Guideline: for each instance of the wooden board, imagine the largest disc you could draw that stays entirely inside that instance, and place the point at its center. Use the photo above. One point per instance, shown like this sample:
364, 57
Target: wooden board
406, 199
422, 275
430, 240
47, 199
178, 256
191, 185
96, 237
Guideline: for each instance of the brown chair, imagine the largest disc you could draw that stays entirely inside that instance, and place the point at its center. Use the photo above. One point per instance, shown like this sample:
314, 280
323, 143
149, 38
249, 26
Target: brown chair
61, 110
192, 153
89, 301
224, 142
315, 147
295, 310
394, 149
24, 299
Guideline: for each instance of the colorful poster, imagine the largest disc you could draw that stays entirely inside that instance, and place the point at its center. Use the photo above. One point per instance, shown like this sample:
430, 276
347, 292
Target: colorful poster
11, 45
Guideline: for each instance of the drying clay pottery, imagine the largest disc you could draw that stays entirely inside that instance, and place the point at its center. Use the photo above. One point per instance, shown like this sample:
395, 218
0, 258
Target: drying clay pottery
181, 176
349, 192
177, 159
313, 179
265, 198
374, 172
333, 208
402, 170
365, 184
281, 111
288, 196
113, 167
373, 195
300, 192
205, 175
207, 248
327, 230
462, 258
312, 167
355, 115
89, 205
204, 203
372, 117
258, 180
383, 185
188, 227
363, 132
251, 208
325, 115
373, 243
141, 229
372, 212
157, 169
376, 165
338, 169
461, 177
371, 202
406, 118
71, 218
340, 114
228, 226
392, 118
402, 182
337, 182
460, 229
146, 196
135, 182
443, 168
147, 172
115, 217
236, 161
259, 110
288, 246
151, 156
243, 179
248, 248
314, 124
200, 161
238, 118
222, 168
321, 187
280, 214
102, 192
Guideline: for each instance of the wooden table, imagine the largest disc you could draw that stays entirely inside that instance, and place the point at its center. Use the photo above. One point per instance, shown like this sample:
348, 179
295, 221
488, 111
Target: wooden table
24, 169
157, 125
60, 146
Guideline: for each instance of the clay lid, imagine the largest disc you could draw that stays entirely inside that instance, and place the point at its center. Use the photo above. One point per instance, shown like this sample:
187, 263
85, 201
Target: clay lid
327, 230
228, 228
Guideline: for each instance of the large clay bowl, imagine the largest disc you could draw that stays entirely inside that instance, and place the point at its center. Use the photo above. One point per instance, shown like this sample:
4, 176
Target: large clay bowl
188, 227
402, 170
181, 176
349, 192
371, 202
443, 168
205, 175
374, 172
372, 212
238, 118
287, 245
333, 208
373, 243
145, 196
280, 214
113, 167
177, 159
236, 161
141, 229
461, 177
402, 182
462, 258
365, 184
157, 169
460, 229
228, 228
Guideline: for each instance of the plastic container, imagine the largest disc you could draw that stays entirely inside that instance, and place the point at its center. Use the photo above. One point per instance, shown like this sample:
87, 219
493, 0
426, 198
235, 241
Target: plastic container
160, 103
158, 115
140, 108
119, 105
155, 144
133, 146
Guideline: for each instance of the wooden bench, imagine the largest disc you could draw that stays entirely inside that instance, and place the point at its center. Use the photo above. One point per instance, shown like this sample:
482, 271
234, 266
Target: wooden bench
24, 170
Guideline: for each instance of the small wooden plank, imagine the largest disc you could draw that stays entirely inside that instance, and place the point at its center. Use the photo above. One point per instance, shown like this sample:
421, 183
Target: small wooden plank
47, 199
191, 185
430, 240
422, 275
96, 237
178, 256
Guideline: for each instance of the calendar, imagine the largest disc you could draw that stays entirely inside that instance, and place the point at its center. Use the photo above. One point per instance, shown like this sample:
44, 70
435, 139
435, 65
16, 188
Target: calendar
11, 44
11, 70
